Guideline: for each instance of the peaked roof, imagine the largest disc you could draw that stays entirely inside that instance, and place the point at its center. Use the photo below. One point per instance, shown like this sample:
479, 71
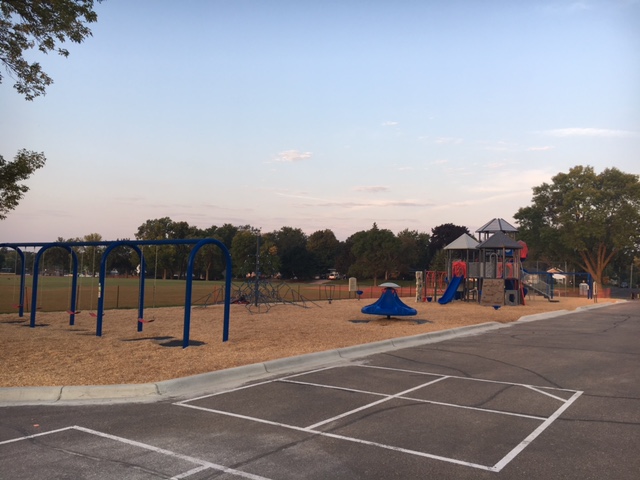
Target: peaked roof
500, 240
497, 225
463, 242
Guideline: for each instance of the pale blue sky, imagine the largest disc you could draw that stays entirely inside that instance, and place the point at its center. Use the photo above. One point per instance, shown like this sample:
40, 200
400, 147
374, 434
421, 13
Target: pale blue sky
332, 114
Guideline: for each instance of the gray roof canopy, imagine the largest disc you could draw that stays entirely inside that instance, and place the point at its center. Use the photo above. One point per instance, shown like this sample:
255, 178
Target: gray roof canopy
497, 225
500, 240
463, 242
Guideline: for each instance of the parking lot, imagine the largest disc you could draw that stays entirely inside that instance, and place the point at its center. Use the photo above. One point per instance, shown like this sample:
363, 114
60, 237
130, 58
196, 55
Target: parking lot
553, 398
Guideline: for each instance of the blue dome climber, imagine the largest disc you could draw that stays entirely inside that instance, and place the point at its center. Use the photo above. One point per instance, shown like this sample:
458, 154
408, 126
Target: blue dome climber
389, 304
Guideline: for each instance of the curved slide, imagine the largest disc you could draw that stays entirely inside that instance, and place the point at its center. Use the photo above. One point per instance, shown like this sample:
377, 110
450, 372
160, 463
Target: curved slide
451, 290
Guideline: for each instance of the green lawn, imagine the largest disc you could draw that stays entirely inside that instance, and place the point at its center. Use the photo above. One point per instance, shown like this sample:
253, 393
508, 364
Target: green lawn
54, 293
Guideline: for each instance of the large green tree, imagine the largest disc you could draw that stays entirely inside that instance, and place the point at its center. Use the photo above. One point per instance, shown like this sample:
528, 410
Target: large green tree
376, 253
243, 252
443, 235
295, 260
158, 258
26, 25
12, 173
585, 217
324, 246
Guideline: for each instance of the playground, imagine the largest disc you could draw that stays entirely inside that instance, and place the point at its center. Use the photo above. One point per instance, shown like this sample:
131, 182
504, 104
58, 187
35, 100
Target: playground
56, 353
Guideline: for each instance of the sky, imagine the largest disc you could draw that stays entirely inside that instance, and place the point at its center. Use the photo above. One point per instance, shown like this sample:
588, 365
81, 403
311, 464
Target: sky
322, 114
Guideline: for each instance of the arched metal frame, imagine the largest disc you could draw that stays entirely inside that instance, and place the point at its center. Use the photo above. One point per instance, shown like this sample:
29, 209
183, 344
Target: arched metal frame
103, 276
74, 282
23, 274
135, 245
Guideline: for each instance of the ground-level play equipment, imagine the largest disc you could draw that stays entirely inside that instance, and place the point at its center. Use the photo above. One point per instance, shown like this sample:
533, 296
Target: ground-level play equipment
197, 244
389, 303
435, 284
259, 295
451, 290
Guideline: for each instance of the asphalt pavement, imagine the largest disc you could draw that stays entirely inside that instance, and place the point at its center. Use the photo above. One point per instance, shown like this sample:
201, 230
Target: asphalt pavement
553, 396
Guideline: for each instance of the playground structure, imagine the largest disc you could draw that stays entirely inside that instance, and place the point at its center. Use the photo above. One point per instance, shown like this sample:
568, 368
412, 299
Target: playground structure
490, 271
110, 246
260, 295
389, 303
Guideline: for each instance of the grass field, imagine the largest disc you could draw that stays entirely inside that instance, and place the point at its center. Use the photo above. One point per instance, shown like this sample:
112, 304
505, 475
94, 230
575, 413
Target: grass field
54, 293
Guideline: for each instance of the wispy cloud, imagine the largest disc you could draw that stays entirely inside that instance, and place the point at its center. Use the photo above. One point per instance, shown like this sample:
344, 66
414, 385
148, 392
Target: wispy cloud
495, 165
291, 156
589, 132
375, 204
541, 149
299, 195
448, 140
499, 146
349, 204
372, 189
389, 124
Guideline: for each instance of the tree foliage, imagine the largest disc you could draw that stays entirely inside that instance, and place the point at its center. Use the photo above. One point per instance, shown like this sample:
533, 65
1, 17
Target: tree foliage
11, 173
42, 25
324, 246
585, 217
289, 252
376, 252
443, 235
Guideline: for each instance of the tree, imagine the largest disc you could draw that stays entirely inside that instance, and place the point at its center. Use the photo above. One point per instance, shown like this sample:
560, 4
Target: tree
210, 257
161, 257
408, 251
443, 235
11, 173
295, 259
376, 253
29, 24
243, 252
585, 217
324, 246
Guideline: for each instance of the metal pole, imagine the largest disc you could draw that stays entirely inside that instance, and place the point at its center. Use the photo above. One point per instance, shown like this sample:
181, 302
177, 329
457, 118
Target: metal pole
257, 269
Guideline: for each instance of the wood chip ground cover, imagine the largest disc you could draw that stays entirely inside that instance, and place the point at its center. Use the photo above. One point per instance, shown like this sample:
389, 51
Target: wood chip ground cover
56, 354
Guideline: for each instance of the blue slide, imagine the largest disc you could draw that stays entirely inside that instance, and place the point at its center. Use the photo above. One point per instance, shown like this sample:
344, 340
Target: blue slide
451, 290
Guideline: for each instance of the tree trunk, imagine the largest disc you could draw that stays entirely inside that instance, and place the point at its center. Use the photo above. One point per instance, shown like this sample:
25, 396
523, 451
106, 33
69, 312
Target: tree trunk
595, 264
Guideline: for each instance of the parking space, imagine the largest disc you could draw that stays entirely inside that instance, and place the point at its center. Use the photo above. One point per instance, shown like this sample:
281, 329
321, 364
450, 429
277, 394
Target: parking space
533, 400
400, 410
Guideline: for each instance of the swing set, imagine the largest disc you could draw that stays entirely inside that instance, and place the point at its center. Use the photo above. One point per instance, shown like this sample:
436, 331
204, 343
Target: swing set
136, 246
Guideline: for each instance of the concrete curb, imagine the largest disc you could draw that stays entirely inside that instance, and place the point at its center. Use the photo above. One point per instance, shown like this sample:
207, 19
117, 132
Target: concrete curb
559, 313
150, 392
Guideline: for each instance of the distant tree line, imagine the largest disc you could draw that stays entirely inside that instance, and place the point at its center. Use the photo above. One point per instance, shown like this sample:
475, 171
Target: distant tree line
583, 218
287, 253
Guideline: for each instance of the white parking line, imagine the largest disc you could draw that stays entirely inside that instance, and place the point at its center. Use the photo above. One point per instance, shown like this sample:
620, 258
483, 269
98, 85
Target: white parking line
512, 454
546, 421
202, 464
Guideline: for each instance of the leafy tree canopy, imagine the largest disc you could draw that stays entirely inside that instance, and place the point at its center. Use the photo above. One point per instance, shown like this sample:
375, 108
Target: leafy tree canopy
29, 24
585, 217
324, 245
376, 252
11, 173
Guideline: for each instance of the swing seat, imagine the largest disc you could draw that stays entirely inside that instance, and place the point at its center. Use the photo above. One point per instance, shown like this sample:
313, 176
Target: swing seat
71, 312
142, 320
